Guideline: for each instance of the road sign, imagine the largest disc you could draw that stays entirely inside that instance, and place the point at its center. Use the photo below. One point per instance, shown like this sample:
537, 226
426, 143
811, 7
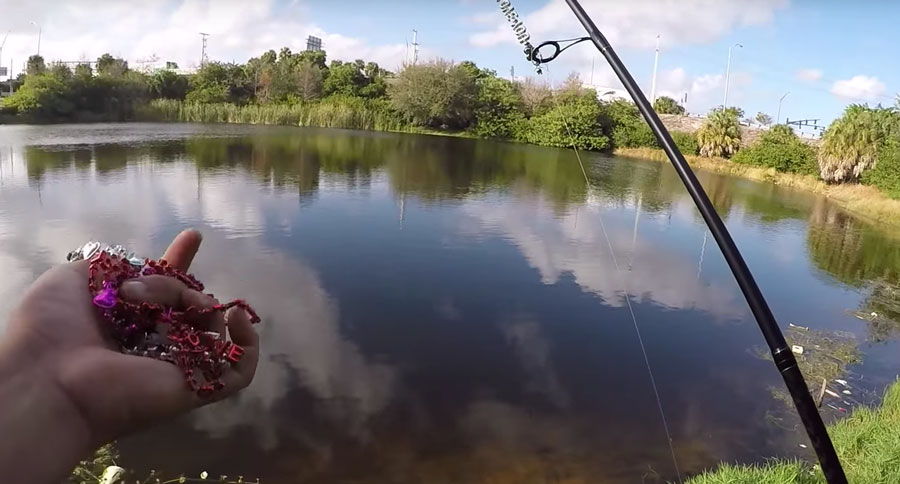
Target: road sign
4, 71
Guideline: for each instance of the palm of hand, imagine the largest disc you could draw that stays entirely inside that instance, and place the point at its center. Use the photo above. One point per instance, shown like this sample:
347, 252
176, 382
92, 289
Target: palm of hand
114, 393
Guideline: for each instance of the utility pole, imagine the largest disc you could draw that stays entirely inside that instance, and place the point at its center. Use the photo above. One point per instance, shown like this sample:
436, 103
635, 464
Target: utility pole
512, 73
415, 44
727, 75
778, 116
655, 67
203, 58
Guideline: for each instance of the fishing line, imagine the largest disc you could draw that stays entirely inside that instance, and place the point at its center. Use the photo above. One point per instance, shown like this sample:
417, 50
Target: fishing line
637, 330
781, 353
702, 251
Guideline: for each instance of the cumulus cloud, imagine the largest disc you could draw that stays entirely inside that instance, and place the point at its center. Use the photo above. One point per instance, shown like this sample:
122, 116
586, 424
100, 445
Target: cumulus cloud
859, 87
488, 17
808, 75
169, 30
703, 90
636, 24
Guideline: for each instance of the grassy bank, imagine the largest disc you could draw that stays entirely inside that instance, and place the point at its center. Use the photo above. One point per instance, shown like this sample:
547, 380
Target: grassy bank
868, 443
866, 201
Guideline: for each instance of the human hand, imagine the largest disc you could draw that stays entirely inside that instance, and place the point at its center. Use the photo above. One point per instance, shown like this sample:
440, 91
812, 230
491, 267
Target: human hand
57, 335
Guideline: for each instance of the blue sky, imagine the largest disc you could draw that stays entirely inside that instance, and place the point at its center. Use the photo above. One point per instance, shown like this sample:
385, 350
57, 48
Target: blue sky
827, 53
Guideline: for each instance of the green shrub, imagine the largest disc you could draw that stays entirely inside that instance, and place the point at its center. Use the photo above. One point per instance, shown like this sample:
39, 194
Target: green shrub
625, 125
43, 96
500, 108
667, 105
435, 94
686, 142
573, 123
886, 174
781, 149
633, 135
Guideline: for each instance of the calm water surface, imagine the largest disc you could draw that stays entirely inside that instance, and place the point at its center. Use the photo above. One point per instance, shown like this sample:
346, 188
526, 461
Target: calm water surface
446, 311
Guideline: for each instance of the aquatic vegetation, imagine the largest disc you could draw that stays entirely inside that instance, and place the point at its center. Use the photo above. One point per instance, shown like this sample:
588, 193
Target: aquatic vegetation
868, 442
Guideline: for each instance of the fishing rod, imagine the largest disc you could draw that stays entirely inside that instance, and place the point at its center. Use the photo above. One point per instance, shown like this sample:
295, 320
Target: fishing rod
781, 352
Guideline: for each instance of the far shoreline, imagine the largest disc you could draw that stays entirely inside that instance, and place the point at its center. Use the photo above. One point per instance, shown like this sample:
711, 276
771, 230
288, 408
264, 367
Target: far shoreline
864, 201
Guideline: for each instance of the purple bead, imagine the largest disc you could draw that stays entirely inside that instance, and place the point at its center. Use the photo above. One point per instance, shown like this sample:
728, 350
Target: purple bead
107, 297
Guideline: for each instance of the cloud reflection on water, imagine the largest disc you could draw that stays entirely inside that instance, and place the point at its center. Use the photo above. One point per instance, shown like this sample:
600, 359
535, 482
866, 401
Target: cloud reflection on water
574, 242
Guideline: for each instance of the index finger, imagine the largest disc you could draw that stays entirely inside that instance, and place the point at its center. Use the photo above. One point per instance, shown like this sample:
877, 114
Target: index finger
183, 248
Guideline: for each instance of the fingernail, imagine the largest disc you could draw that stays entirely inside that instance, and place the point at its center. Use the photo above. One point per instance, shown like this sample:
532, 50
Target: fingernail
134, 290
196, 232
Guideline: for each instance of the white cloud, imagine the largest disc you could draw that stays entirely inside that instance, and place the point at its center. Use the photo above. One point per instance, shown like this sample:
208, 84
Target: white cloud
707, 83
488, 17
80, 29
858, 87
808, 75
636, 24
703, 91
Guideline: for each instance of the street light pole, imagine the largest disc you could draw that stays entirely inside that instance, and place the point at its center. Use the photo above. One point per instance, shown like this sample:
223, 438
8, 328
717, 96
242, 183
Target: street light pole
778, 116
655, 66
40, 31
1, 52
727, 75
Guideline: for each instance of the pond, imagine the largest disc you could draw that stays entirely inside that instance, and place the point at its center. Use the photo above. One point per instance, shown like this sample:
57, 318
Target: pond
447, 310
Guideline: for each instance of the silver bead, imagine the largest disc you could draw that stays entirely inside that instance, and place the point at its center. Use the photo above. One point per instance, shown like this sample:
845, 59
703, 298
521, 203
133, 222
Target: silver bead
89, 250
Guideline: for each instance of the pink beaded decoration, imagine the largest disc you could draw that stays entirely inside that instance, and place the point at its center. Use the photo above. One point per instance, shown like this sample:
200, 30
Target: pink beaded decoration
155, 331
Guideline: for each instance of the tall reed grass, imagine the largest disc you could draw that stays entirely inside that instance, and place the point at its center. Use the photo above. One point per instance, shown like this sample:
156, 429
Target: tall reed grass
334, 112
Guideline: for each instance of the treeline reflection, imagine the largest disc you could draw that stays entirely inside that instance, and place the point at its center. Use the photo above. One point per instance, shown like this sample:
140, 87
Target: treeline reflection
441, 168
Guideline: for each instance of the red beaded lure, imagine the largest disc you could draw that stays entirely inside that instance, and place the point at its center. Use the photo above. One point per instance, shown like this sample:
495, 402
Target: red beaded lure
156, 331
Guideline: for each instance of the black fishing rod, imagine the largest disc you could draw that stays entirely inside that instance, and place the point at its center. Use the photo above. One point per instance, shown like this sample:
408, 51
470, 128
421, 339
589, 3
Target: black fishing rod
781, 352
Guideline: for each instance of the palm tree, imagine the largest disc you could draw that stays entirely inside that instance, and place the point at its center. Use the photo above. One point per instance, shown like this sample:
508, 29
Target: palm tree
720, 134
850, 145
